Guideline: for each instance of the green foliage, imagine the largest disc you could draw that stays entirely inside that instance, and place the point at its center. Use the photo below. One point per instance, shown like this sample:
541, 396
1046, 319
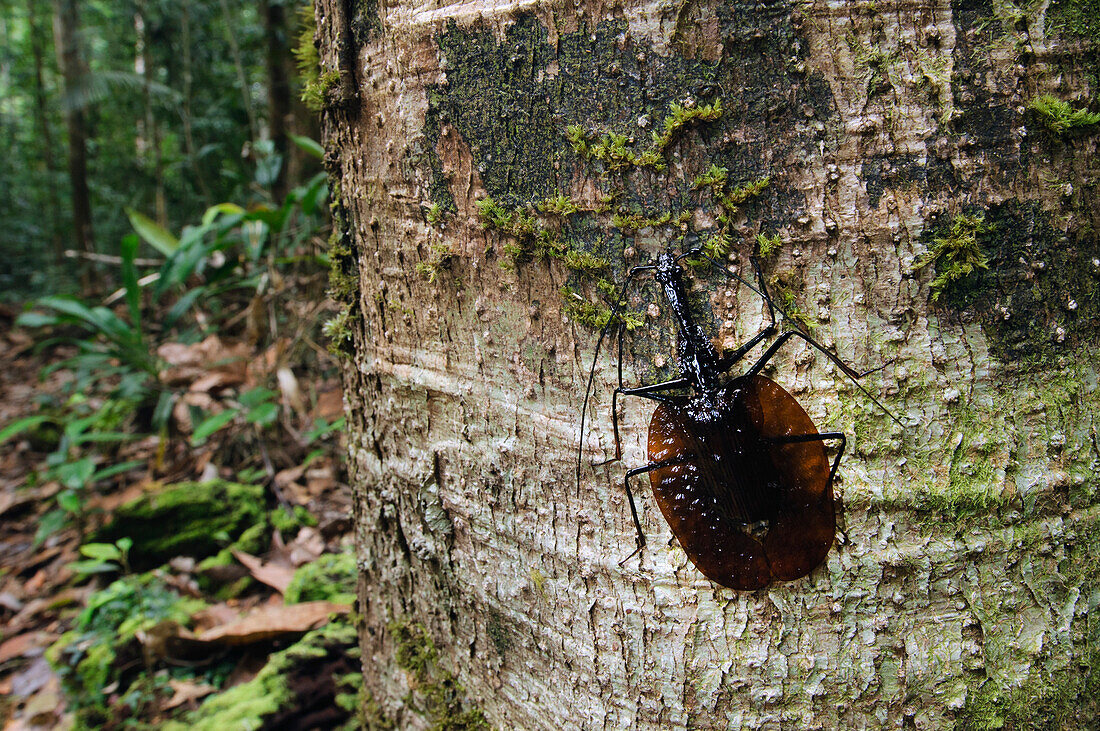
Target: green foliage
206, 517
616, 151
957, 253
175, 139
308, 60
332, 577
104, 557
96, 654
251, 704
768, 246
1059, 117
680, 116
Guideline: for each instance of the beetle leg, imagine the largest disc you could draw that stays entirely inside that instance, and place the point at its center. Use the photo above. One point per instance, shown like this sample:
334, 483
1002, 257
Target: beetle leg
645, 392
847, 369
630, 494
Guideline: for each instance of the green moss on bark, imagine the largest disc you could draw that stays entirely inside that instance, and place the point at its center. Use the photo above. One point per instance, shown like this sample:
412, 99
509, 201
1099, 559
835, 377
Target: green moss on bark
438, 695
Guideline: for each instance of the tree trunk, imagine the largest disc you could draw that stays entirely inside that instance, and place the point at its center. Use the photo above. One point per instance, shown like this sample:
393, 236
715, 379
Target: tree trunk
933, 212
147, 139
42, 125
278, 88
73, 70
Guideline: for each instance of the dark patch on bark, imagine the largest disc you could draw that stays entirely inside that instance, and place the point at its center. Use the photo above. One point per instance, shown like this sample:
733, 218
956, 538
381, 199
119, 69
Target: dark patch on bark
1040, 295
511, 101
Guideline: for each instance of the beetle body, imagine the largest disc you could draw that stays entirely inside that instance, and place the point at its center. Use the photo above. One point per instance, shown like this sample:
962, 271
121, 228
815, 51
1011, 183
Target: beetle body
737, 467
747, 508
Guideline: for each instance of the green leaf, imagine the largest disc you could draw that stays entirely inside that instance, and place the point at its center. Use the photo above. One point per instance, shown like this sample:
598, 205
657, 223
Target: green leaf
125, 544
156, 235
49, 524
92, 567
263, 415
75, 475
182, 305
19, 426
101, 551
222, 208
129, 249
36, 319
210, 425
256, 396
309, 145
115, 469
70, 502
163, 410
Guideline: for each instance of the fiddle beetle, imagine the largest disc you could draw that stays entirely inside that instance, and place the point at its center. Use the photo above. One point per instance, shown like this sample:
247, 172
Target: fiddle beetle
737, 467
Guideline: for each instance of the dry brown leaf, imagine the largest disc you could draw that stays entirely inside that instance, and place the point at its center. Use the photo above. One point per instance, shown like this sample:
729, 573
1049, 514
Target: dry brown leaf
330, 403
45, 707
214, 616
289, 475
29, 681
307, 546
267, 623
320, 479
25, 644
275, 575
185, 691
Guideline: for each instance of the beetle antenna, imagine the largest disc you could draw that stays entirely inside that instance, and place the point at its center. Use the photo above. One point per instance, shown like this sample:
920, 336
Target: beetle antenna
615, 321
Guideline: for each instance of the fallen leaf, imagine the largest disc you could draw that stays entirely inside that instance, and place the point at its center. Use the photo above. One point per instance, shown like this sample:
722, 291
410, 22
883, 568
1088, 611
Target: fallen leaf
268, 623
306, 546
275, 575
185, 691
289, 475
330, 404
25, 645
10, 602
213, 616
29, 681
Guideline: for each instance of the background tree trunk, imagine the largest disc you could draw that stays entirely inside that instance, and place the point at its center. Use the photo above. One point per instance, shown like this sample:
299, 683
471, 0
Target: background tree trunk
70, 59
899, 145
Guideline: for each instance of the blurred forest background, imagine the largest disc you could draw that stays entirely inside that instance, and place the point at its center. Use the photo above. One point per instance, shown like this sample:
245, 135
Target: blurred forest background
165, 108
176, 517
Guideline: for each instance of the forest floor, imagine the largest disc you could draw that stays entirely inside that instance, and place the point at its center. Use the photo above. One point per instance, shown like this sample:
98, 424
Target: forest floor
150, 579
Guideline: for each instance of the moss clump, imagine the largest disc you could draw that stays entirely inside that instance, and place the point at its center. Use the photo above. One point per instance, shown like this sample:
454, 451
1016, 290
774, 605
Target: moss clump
317, 94
101, 647
532, 240
1059, 117
767, 246
307, 59
1076, 18
318, 87
562, 205
204, 518
299, 685
441, 697
330, 578
615, 150
343, 262
956, 253
340, 331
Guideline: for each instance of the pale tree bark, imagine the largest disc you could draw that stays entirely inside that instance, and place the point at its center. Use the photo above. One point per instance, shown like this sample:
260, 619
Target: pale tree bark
898, 141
